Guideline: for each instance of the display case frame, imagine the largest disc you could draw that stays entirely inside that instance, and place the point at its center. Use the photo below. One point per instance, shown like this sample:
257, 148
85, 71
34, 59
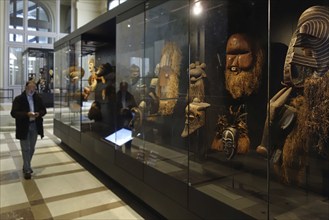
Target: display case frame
164, 167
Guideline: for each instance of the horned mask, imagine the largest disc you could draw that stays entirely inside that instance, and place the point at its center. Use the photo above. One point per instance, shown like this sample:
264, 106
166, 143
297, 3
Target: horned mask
195, 116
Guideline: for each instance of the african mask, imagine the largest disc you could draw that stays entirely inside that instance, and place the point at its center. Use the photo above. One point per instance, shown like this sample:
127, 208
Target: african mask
91, 65
195, 116
92, 81
230, 139
169, 71
244, 61
308, 50
232, 134
196, 87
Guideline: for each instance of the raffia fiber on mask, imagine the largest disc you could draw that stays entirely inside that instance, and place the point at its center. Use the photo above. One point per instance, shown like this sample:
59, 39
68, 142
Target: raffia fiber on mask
316, 90
235, 119
245, 82
166, 107
311, 129
171, 57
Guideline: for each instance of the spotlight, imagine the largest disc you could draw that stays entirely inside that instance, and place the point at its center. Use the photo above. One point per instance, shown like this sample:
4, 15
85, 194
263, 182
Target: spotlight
197, 8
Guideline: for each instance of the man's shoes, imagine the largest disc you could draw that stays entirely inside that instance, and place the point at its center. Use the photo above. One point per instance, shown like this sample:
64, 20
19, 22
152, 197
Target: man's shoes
27, 176
30, 171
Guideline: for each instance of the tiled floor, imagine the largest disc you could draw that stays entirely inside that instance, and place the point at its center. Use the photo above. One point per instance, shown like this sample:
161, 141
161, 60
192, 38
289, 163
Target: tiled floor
60, 188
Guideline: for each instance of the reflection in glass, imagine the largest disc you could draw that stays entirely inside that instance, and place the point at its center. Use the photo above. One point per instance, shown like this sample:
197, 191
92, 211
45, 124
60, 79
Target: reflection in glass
16, 14
15, 37
38, 18
16, 74
39, 39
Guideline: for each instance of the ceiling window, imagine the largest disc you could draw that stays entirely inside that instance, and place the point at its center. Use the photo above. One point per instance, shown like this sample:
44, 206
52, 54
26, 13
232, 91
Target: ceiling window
115, 3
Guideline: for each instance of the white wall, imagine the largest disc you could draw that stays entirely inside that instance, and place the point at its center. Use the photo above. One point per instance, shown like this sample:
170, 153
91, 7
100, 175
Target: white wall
87, 10
2, 41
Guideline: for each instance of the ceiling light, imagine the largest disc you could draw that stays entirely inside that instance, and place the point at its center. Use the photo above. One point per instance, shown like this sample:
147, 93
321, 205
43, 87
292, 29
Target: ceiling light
197, 8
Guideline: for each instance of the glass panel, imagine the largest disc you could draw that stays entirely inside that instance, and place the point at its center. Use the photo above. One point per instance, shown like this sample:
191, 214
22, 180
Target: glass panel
16, 14
227, 102
299, 144
16, 38
16, 73
87, 92
38, 18
74, 74
132, 68
65, 18
63, 82
98, 83
41, 61
38, 65
201, 77
39, 39
60, 91
165, 79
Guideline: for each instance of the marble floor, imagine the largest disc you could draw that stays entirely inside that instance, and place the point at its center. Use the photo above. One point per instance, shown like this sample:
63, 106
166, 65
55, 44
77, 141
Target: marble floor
61, 187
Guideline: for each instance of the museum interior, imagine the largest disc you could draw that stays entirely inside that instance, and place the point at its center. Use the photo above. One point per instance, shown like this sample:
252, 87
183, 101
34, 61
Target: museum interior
200, 109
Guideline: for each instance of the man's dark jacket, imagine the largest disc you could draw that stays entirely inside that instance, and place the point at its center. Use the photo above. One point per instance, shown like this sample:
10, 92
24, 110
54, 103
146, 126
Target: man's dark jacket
19, 111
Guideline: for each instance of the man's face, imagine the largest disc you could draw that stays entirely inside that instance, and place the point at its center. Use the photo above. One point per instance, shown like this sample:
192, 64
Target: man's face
123, 87
30, 89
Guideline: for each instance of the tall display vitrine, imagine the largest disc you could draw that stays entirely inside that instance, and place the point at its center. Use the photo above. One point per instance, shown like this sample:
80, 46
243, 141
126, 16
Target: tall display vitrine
38, 64
222, 91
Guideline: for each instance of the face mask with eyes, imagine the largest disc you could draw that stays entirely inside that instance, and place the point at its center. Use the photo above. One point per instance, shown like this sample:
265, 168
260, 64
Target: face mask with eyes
308, 51
239, 53
230, 140
195, 116
244, 60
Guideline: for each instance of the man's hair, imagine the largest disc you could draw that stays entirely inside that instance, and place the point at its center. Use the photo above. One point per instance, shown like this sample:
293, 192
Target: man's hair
124, 83
30, 82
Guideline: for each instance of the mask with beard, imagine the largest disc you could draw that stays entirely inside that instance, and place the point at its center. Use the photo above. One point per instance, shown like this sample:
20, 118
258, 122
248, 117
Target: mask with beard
244, 61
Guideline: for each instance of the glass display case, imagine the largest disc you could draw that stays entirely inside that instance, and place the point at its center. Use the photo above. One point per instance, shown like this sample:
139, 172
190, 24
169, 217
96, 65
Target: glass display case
203, 107
38, 65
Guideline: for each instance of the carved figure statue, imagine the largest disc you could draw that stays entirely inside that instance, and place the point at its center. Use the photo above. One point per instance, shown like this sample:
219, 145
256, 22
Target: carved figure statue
303, 104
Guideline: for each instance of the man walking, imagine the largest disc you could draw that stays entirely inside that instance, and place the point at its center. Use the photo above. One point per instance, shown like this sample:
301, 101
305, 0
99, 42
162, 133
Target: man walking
28, 110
